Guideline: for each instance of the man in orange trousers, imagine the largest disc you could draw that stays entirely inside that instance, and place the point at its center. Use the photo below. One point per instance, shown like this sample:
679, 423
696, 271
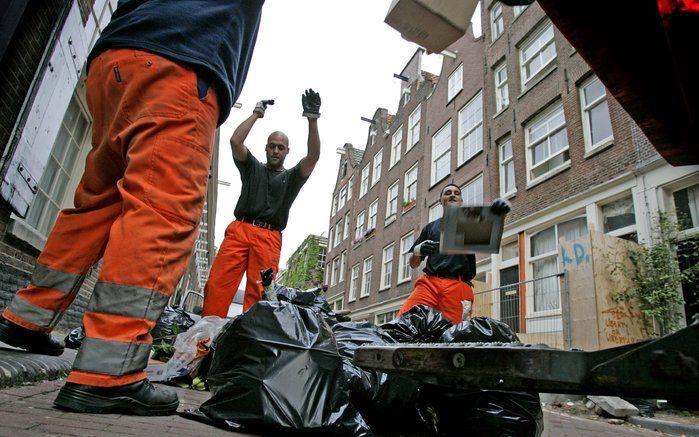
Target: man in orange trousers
253, 241
157, 88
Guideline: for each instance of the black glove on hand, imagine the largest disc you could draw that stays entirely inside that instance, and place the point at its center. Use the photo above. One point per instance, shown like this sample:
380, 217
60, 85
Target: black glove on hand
267, 276
426, 248
311, 104
262, 106
500, 206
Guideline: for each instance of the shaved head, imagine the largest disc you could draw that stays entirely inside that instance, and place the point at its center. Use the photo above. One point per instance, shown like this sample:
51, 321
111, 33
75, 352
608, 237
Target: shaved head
278, 136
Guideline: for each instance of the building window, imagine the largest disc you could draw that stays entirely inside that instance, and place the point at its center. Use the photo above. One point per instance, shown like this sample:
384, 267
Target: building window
507, 168
372, 137
387, 266
378, 158
335, 272
441, 156
322, 252
54, 181
497, 22
519, 9
396, 146
338, 233
392, 200
404, 269
410, 185
373, 212
350, 185
334, 206
354, 283
364, 185
619, 217
330, 238
343, 260
342, 198
472, 192
597, 126
537, 53
547, 143
471, 129
455, 82
502, 96
687, 207
366, 277
414, 127
359, 227
345, 231
436, 211
386, 317
510, 251
337, 304
544, 261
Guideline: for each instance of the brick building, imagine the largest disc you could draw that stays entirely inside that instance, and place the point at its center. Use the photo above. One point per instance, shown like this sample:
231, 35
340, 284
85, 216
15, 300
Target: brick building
306, 266
45, 130
515, 113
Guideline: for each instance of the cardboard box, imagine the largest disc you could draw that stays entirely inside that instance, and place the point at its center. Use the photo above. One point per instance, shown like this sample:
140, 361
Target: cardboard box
470, 229
432, 24
156, 370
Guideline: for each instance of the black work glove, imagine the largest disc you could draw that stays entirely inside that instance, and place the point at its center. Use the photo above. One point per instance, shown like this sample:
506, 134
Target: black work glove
267, 276
311, 104
500, 206
262, 106
426, 248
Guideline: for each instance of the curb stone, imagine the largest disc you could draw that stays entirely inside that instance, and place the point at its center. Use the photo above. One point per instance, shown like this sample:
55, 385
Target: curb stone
18, 367
666, 426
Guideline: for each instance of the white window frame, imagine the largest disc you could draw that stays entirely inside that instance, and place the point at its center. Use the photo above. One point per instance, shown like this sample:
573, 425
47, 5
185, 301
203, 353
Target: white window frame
387, 316
364, 184
693, 204
472, 186
466, 152
455, 83
502, 93
345, 231
519, 9
436, 211
338, 233
542, 46
354, 282
343, 260
334, 206
387, 266
350, 184
497, 21
337, 304
620, 231
378, 163
366, 276
342, 199
396, 146
373, 218
392, 202
334, 271
359, 226
414, 127
405, 255
410, 184
506, 162
549, 113
447, 151
586, 107
372, 137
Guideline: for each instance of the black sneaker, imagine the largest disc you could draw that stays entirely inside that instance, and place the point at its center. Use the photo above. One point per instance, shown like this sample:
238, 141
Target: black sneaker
37, 342
139, 398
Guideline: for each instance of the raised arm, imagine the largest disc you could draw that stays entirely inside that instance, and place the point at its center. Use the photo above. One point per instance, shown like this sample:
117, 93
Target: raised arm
240, 152
311, 110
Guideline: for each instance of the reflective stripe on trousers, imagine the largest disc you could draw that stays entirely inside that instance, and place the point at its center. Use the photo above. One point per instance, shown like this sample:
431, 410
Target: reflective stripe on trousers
137, 208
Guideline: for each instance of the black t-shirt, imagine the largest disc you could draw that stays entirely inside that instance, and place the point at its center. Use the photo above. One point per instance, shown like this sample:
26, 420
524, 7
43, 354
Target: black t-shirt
447, 266
216, 35
267, 194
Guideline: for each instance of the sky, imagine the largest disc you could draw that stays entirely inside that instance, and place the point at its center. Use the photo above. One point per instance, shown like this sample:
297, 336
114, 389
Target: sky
344, 51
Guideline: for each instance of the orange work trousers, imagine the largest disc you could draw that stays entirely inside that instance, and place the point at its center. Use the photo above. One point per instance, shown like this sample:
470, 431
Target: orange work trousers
137, 208
245, 249
444, 294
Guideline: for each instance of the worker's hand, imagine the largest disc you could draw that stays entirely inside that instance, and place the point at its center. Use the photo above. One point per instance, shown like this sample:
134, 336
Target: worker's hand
311, 104
500, 206
267, 276
261, 107
426, 248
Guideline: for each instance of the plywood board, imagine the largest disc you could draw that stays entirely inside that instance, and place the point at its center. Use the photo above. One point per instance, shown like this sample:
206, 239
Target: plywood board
483, 300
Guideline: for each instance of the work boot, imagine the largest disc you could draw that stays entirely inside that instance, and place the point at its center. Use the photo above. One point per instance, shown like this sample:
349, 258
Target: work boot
140, 398
37, 342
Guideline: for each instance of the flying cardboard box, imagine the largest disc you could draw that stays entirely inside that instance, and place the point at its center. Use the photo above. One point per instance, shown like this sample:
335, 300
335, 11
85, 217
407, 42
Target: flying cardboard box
432, 24
470, 229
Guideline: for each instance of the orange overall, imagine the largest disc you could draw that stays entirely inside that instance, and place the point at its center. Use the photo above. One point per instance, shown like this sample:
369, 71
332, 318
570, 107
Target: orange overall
245, 249
444, 294
137, 208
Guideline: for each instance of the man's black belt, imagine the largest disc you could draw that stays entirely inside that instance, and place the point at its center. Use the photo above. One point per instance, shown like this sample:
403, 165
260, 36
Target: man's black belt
260, 224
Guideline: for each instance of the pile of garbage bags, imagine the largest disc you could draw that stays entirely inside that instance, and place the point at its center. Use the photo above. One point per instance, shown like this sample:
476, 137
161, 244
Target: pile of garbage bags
287, 367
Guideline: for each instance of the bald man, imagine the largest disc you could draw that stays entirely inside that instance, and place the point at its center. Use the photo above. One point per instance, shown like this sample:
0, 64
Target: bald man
253, 241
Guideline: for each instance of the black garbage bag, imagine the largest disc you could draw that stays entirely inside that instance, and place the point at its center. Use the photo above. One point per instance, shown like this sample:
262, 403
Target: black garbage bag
277, 369
75, 338
173, 321
480, 329
481, 413
311, 298
386, 402
421, 324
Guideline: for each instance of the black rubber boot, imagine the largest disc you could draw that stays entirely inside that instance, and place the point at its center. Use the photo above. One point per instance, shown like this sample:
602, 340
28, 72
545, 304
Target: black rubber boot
37, 342
139, 398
